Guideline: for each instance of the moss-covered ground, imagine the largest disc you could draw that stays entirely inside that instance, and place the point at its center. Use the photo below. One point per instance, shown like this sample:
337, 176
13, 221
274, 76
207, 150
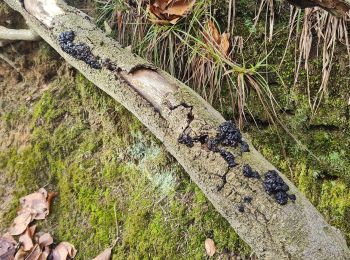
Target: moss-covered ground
116, 182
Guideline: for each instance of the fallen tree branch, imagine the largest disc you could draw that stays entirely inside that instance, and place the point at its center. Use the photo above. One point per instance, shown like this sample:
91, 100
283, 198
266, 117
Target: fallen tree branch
18, 34
261, 204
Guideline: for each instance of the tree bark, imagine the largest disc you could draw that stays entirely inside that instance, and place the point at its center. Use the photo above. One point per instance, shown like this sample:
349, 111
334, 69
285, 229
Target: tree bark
18, 35
170, 109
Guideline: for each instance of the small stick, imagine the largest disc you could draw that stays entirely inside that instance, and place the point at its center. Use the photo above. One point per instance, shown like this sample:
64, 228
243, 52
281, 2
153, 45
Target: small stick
18, 34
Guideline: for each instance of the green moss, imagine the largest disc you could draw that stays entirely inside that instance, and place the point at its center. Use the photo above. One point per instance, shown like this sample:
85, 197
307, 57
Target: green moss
115, 182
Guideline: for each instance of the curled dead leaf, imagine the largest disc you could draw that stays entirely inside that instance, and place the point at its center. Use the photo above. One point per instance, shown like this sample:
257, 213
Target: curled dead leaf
26, 239
105, 255
169, 11
34, 254
44, 239
63, 250
39, 202
45, 253
20, 223
7, 247
50, 197
212, 36
209, 247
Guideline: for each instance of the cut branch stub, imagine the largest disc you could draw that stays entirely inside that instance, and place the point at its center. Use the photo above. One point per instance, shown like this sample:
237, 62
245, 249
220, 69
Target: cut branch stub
212, 151
18, 34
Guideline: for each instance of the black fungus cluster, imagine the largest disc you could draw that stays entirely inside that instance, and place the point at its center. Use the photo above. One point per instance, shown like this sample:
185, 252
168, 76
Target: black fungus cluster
227, 135
275, 186
241, 208
186, 139
249, 173
228, 157
80, 51
246, 200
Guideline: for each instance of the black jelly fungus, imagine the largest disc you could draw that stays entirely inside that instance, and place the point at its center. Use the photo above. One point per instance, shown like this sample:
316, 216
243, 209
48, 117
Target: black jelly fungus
244, 147
281, 197
227, 135
274, 183
275, 186
247, 199
185, 139
241, 208
292, 197
80, 51
249, 173
228, 157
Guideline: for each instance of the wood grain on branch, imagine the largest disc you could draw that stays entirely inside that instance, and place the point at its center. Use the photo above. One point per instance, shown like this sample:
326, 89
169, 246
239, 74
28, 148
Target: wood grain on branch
170, 109
18, 34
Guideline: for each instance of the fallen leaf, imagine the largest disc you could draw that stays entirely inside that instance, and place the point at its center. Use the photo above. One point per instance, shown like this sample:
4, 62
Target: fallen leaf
62, 250
20, 255
225, 43
212, 36
39, 202
212, 33
209, 247
26, 239
20, 223
44, 239
50, 197
105, 255
34, 254
7, 247
44, 254
169, 11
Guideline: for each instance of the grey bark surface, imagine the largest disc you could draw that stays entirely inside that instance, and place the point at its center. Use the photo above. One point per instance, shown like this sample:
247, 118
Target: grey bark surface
167, 108
18, 34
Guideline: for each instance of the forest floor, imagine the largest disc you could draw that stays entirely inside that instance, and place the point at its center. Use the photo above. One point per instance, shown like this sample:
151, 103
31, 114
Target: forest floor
115, 181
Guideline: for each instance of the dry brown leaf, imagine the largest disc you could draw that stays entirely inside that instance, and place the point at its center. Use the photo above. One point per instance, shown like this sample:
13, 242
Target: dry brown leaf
212, 33
44, 239
209, 247
179, 8
26, 239
105, 255
62, 250
44, 254
7, 247
169, 11
212, 36
39, 202
20, 255
34, 254
225, 43
20, 223
50, 197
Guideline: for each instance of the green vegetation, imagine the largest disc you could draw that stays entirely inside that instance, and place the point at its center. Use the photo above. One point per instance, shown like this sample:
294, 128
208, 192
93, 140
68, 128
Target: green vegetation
115, 180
